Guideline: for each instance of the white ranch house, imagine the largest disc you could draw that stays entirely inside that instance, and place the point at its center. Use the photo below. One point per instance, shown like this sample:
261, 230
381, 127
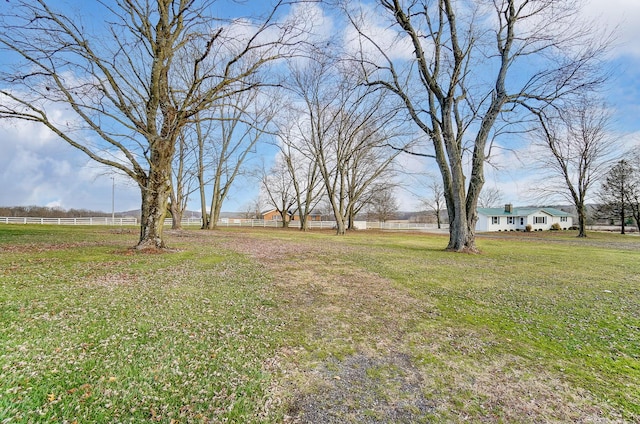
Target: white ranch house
517, 219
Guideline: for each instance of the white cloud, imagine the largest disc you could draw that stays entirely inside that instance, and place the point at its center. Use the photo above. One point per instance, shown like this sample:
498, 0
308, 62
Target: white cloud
321, 26
621, 15
38, 168
381, 33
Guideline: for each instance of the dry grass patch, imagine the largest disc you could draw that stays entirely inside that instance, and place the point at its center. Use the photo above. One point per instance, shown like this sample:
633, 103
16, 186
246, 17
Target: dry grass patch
368, 349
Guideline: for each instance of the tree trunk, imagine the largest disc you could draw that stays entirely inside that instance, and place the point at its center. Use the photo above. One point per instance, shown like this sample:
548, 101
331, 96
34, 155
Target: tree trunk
215, 215
462, 238
176, 216
214, 212
156, 190
284, 214
462, 234
203, 203
155, 196
351, 217
304, 218
582, 220
340, 227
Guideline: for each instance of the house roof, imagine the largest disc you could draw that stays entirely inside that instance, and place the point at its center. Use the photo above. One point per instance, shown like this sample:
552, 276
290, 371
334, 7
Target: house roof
521, 211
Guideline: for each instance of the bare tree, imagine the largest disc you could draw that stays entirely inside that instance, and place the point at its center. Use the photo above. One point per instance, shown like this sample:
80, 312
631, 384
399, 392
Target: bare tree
474, 66
228, 136
278, 190
253, 209
490, 197
575, 152
133, 85
302, 167
183, 181
434, 201
382, 205
346, 129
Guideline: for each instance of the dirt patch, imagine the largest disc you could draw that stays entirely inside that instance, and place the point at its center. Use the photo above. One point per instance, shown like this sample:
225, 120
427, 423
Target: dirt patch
365, 389
348, 370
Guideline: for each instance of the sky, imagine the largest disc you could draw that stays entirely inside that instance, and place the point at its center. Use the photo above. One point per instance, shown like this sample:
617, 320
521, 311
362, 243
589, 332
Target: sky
36, 168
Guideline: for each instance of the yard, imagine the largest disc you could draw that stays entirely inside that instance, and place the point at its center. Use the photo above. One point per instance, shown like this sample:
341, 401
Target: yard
272, 325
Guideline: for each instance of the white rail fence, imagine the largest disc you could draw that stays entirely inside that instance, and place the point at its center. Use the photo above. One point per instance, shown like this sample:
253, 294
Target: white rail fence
69, 221
225, 222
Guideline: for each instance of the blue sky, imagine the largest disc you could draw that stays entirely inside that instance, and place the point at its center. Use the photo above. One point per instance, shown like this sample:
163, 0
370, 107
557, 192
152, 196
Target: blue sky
38, 169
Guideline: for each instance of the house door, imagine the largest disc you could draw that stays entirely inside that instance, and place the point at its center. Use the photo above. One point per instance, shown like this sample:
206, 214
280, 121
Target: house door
521, 221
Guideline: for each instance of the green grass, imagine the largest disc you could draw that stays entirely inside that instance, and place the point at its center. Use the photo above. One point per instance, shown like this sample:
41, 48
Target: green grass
568, 309
92, 332
252, 325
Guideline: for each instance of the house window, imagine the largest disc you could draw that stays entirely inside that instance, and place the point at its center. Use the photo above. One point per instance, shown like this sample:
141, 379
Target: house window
511, 220
539, 219
495, 220
563, 219
522, 220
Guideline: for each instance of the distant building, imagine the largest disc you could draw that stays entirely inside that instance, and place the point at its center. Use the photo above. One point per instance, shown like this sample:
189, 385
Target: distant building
517, 219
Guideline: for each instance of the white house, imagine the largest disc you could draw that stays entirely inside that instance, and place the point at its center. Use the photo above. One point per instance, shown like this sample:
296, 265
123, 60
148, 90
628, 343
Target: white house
517, 219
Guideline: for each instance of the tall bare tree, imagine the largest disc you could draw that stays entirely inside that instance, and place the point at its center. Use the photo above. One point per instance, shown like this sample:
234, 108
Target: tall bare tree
434, 200
227, 138
132, 83
278, 190
575, 152
462, 68
183, 181
301, 165
346, 128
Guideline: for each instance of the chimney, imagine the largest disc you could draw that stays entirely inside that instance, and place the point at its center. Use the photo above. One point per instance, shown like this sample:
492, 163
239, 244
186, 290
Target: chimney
508, 208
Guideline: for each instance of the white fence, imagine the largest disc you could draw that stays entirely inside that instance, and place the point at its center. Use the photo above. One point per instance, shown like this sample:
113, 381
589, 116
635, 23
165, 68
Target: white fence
225, 222
360, 225
409, 226
69, 221
271, 223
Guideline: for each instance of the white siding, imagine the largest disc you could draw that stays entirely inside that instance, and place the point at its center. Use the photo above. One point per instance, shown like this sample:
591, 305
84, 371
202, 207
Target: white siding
520, 222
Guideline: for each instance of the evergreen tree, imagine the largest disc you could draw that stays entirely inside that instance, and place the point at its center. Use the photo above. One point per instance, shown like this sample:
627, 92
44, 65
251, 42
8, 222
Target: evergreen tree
619, 194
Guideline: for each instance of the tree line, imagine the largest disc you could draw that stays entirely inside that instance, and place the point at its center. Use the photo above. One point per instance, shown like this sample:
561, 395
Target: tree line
48, 212
177, 97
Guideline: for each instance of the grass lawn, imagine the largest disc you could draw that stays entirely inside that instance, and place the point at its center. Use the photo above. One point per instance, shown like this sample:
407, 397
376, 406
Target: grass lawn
280, 326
